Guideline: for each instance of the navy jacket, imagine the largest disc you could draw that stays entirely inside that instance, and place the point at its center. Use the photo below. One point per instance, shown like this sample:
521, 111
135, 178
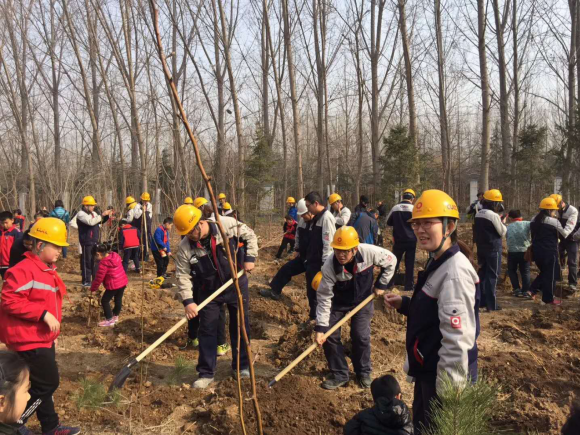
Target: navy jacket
489, 230
545, 236
398, 219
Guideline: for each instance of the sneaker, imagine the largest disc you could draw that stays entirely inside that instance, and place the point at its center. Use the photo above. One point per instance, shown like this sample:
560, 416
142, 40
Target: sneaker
116, 319
555, 302
516, 293
202, 383
268, 293
64, 430
364, 381
244, 373
193, 343
105, 323
333, 384
86, 284
222, 349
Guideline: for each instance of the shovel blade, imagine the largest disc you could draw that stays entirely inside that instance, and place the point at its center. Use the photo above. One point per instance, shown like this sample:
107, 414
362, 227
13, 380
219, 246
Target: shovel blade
122, 376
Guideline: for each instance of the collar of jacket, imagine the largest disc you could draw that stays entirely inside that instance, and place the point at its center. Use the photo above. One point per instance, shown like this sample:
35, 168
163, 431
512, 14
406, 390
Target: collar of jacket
318, 216
338, 268
12, 228
39, 263
434, 265
517, 219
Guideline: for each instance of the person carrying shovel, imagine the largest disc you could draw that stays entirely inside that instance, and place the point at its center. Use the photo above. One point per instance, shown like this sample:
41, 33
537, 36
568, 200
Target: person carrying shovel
347, 280
201, 254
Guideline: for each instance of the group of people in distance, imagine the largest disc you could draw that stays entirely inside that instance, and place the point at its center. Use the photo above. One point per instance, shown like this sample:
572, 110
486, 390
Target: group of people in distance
331, 246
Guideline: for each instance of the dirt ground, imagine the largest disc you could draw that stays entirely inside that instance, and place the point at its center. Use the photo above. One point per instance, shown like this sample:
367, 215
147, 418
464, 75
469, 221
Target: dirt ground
529, 350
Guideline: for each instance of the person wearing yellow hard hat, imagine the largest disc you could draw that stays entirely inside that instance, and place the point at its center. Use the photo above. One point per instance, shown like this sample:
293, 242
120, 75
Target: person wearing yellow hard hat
405, 242
292, 210
347, 280
546, 229
143, 209
226, 209
31, 316
201, 254
568, 217
489, 230
340, 212
221, 201
297, 265
205, 206
442, 315
188, 200
89, 226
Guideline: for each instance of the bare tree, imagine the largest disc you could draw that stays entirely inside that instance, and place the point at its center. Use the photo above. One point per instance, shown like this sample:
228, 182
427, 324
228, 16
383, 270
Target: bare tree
485, 99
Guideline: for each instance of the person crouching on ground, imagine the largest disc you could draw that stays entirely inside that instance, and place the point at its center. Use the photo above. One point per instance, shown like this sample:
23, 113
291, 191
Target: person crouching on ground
443, 313
129, 242
160, 247
30, 315
289, 229
201, 255
112, 275
389, 416
347, 280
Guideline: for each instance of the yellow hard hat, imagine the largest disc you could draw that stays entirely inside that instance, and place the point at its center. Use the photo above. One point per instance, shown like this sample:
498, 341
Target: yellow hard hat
132, 206
129, 200
145, 196
556, 197
199, 202
51, 230
188, 200
434, 203
222, 196
493, 195
333, 198
186, 218
227, 206
411, 191
549, 203
316, 281
345, 238
291, 200
89, 200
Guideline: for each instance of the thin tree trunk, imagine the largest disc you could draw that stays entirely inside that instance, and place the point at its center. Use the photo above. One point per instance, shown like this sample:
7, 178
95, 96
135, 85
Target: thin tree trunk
516, 87
567, 166
485, 104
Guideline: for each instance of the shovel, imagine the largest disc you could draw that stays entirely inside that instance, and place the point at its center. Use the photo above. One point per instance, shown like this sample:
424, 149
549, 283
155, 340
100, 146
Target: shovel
326, 335
122, 376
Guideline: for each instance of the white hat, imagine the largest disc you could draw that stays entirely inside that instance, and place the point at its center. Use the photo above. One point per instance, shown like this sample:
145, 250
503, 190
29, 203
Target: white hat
301, 207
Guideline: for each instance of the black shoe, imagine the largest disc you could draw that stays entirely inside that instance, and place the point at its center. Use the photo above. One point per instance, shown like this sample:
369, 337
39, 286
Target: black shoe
268, 293
364, 381
333, 384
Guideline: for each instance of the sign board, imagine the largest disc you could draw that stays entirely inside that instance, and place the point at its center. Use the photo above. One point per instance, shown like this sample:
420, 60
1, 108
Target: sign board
557, 184
267, 199
473, 189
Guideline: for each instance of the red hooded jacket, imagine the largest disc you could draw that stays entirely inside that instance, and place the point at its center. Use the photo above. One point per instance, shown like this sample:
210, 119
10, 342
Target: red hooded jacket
7, 238
30, 289
110, 273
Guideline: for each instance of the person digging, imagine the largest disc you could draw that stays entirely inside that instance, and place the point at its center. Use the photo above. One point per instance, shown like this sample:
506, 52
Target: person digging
346, 279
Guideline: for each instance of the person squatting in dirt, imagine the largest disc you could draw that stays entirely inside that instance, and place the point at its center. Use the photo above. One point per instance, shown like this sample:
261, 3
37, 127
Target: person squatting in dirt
30, 315
289, 237
545, 228
129, 241
346, 281
112, 275
9, 236
89, 222
160, 246
389, 416
443, 313
201, 261
297, 265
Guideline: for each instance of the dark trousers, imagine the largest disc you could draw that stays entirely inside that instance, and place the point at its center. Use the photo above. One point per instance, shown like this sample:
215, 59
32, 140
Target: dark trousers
571, 248
285, 242
311, 271
145, 244
106, 302
161, 262
88, 269
44, 381
208, 329
549, 274
408, 250
285, 273
360, 334
516, 261
131, 254
424, 393
489, 271
193, 327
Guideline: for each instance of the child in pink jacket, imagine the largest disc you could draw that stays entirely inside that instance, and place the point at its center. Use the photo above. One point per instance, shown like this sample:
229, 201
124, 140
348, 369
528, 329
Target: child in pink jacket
112, 275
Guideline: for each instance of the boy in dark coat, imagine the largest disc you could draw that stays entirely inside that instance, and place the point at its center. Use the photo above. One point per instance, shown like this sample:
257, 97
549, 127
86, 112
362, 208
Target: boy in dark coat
389, 416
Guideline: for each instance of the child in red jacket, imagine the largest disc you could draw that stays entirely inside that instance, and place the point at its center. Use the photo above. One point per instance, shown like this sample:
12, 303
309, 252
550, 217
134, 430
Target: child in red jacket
30, 315
9, 233
112, 275
289, 236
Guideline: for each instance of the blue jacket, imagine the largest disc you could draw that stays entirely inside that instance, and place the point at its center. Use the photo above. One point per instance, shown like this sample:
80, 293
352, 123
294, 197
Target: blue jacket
293, 211
160, 240
61, 213
367, 228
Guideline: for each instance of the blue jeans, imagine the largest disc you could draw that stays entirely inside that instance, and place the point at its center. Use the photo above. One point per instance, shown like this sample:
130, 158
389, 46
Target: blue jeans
489, 271
516, 260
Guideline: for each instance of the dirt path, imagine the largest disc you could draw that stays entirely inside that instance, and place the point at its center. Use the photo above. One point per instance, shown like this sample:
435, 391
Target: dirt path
530, 350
